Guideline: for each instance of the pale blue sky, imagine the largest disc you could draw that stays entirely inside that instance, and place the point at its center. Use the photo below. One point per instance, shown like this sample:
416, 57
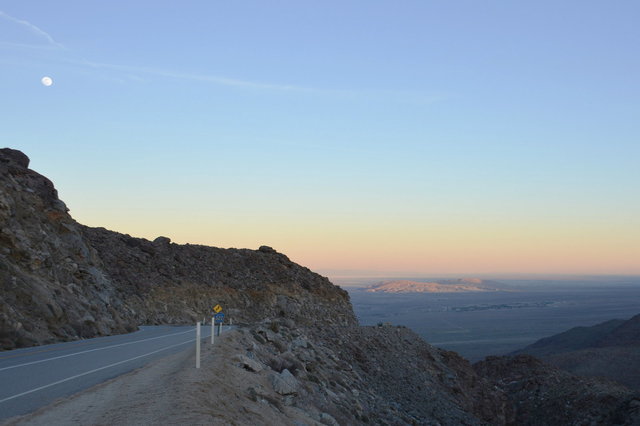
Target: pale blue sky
316, 124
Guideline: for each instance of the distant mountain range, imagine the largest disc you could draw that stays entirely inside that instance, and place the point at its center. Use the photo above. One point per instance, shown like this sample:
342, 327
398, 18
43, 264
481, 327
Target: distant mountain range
610, 349
461, 285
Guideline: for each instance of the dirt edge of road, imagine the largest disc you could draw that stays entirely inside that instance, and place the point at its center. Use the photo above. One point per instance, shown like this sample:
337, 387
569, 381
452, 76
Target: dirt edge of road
171, 391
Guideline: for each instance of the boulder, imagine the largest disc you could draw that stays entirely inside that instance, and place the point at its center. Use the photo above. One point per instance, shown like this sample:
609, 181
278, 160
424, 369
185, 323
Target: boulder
248, 363
162, 241
284, 383
14, 156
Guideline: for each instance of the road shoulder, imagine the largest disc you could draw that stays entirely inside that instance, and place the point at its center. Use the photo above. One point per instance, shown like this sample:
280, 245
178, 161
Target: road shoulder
148, 395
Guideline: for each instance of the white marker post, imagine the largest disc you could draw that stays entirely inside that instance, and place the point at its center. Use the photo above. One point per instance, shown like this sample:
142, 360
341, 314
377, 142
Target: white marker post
213, 329
198, 344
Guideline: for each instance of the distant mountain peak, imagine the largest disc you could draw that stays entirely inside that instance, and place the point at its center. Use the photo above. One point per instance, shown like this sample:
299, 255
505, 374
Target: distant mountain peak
609, 349
460, 285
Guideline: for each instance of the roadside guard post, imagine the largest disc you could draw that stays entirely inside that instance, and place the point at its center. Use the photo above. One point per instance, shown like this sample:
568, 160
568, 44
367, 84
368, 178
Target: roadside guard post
198, 344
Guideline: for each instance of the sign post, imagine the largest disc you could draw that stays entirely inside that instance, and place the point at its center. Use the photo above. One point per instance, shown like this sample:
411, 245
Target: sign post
219, 318
213, 329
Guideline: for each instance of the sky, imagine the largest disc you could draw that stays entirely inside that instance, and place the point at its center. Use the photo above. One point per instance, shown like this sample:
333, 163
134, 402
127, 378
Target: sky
357, 137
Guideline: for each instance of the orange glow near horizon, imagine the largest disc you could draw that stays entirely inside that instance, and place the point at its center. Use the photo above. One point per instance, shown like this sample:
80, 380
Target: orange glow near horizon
415, 247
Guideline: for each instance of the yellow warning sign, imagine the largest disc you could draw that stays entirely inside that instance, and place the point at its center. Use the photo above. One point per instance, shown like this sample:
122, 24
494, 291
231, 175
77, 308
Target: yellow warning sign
217, 309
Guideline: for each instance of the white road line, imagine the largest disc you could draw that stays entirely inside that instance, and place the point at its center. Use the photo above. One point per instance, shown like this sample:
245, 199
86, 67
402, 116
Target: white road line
93, 350
92, 371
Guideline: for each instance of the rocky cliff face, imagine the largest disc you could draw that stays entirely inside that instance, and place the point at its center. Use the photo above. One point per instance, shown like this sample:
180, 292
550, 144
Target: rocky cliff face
170, 283
53, 286
61, 280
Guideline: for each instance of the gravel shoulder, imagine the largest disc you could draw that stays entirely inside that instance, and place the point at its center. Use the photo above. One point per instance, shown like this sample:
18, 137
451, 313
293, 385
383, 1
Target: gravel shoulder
171, 391
148, 395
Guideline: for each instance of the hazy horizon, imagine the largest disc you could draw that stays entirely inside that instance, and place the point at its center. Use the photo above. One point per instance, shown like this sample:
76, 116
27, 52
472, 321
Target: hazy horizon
524, 279
478, 324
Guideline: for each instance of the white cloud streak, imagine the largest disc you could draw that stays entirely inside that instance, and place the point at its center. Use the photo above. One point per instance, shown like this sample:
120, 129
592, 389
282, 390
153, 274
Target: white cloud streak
225, 81
33, 29
404, 96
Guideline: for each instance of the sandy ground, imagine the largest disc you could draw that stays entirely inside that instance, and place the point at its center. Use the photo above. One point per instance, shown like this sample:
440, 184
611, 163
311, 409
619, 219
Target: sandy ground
171, 391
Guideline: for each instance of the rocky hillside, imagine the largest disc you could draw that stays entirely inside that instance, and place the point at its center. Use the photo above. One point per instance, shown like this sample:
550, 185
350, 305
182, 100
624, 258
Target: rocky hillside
610, 349
61, 280
542, 394
52, 282
574, 339
389, 375
361, 375
170, 283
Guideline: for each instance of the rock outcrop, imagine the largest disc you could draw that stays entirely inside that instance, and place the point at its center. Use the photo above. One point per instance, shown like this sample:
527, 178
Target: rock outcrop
53, 285
170, 283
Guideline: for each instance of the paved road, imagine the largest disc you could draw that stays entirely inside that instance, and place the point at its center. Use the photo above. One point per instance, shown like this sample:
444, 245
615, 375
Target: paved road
31, 378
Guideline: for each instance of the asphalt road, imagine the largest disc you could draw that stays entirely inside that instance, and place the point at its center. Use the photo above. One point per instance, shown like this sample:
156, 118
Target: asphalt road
31, 378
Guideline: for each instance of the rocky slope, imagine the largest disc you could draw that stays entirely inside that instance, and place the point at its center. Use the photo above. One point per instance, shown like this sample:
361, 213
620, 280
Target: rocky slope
542, 394
52, 282
61, 280
389, 375
170, 283
360, 375
571, 340
610, 349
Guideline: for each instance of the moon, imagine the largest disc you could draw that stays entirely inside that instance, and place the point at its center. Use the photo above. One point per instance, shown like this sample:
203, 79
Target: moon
47, 81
